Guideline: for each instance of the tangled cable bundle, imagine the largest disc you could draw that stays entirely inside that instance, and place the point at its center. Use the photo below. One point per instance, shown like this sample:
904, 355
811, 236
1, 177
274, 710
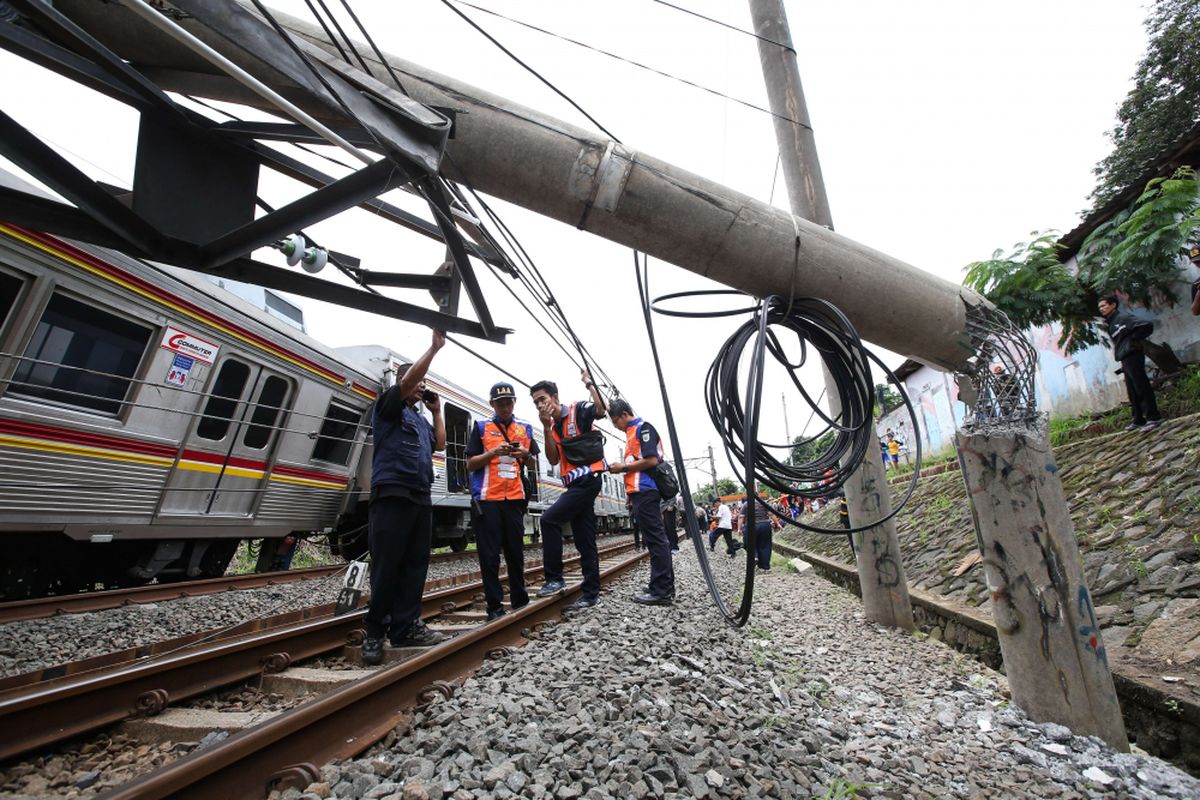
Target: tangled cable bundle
815, 326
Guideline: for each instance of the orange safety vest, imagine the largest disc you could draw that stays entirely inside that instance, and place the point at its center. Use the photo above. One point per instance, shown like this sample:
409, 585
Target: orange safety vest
500, 478
637, 481
570, 427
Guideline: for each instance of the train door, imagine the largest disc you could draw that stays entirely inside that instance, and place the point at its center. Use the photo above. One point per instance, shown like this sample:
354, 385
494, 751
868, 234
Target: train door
226, 458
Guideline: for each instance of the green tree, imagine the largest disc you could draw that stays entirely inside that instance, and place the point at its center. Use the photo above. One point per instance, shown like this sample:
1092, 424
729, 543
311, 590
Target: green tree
705, 493
1138, 251
1033, 287
1164, 102
891, 399
804, 451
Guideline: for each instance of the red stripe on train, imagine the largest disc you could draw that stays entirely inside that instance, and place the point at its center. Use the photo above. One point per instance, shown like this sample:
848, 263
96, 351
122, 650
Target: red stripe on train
69, 436
311, 474
219, 458
150, 288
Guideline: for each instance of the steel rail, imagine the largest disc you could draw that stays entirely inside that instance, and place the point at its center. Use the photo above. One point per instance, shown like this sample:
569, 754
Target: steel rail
38, 607
288, 748
59, 708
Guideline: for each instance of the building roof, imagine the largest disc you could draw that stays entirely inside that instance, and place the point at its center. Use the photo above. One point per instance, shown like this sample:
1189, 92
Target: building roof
1186, 152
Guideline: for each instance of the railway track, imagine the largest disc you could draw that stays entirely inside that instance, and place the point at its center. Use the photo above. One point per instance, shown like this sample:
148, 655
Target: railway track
41, 607
61, 703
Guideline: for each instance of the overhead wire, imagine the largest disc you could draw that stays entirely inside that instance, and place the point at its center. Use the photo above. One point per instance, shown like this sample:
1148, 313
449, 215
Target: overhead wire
714, 21
625, 60
530, 69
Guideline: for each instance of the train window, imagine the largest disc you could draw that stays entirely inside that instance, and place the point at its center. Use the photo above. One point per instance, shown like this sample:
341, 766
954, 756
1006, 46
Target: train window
458, 430
10, 287
338, 431
81, 356
222, 403
266, 412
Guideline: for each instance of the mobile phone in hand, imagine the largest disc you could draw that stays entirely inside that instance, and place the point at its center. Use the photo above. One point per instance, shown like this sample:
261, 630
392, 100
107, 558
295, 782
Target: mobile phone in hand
429, 395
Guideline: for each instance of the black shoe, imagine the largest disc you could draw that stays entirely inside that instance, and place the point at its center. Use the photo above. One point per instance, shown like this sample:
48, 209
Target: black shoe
372, 651
550, 587
584, 603
496, 613
647, 599
419, 635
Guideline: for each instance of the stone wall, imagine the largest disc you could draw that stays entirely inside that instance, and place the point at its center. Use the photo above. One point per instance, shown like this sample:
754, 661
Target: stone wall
1135, 503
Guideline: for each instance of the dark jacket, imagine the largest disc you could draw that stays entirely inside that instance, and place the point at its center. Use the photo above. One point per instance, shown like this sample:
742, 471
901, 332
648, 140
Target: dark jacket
1126, 330
403, 444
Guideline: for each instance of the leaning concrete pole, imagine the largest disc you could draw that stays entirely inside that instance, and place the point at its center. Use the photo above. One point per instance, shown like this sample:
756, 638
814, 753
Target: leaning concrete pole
877, 549
579, 177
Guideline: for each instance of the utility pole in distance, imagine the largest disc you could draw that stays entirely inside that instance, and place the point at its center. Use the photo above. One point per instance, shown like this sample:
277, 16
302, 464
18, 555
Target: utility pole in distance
877, 550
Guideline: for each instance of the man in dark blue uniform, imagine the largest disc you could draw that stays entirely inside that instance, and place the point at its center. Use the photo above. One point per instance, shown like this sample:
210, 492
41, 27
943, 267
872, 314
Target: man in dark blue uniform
642, 452
573, 443
400, 516
1127, 333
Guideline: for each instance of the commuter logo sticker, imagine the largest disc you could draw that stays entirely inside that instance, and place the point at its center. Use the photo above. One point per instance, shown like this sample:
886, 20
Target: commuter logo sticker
186, 344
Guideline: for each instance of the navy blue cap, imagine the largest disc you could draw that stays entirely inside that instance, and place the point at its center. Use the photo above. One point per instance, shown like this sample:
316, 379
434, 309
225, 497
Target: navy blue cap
501, 391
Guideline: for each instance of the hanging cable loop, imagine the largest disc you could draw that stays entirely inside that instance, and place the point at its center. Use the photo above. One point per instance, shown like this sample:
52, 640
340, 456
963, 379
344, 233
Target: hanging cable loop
813, 326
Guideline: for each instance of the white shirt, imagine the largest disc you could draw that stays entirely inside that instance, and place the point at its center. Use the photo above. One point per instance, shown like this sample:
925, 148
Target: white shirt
724, 519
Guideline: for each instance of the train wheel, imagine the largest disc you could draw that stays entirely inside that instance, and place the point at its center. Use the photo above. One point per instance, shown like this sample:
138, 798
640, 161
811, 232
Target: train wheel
216, 558
458, 545
39, 564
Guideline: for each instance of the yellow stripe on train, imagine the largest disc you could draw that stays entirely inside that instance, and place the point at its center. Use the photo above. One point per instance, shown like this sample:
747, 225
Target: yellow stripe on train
81, 450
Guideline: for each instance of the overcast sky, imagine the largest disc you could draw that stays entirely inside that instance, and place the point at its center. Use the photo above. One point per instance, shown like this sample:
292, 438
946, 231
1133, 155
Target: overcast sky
945, 130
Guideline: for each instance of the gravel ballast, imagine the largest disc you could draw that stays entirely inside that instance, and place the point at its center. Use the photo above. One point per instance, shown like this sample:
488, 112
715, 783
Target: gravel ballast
810, 699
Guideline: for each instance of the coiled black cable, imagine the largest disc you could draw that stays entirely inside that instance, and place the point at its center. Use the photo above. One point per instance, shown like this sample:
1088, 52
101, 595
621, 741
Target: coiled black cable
816, 325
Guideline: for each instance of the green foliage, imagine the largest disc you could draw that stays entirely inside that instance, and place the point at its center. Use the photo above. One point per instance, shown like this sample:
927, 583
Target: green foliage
805, 451
1164, 102
1033, 287
705, 493
891, 399
1139, 251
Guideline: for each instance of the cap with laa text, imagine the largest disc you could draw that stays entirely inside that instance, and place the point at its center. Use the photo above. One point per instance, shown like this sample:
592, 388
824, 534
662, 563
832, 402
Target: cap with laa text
501, 391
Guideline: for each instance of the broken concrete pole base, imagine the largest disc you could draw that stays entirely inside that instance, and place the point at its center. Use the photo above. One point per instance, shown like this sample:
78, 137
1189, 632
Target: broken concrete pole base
1049, 636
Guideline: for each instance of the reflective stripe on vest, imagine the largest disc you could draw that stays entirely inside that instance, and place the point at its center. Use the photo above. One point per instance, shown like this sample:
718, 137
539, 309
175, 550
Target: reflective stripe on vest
500, 478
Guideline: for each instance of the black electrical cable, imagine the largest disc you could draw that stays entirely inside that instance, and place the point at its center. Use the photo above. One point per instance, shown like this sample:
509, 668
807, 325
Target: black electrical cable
819, 326
630, 62
374, 47
698, 15
530, 70
325, 27
815, 324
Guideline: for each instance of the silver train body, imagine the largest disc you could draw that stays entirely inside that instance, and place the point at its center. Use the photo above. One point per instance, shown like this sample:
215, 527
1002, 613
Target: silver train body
151, 420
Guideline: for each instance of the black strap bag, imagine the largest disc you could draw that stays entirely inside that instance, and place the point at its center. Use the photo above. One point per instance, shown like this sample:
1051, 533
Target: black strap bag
586, 448
664, 477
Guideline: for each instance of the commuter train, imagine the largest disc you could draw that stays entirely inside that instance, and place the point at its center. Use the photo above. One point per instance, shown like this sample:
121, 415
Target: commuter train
150, 420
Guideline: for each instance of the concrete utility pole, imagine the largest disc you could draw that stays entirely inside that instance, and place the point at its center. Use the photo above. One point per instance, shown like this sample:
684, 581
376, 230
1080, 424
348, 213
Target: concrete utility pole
712, 469
1049, 636
877, 549
576, 176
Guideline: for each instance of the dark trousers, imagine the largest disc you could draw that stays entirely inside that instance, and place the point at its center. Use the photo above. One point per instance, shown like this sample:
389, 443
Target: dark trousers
577, 505
501, 527
649, 518
1137, 385
669, 525
716, 533
637, 530
762, 543
401, 532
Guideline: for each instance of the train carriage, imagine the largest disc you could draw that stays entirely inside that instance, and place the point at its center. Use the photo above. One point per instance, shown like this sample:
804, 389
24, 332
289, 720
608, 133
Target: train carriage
151, 420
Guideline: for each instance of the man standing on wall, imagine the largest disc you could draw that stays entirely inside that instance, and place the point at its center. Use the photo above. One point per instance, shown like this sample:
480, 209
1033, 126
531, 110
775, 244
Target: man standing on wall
497, 451
642, 453
400, 515
574, 444
1127, 333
